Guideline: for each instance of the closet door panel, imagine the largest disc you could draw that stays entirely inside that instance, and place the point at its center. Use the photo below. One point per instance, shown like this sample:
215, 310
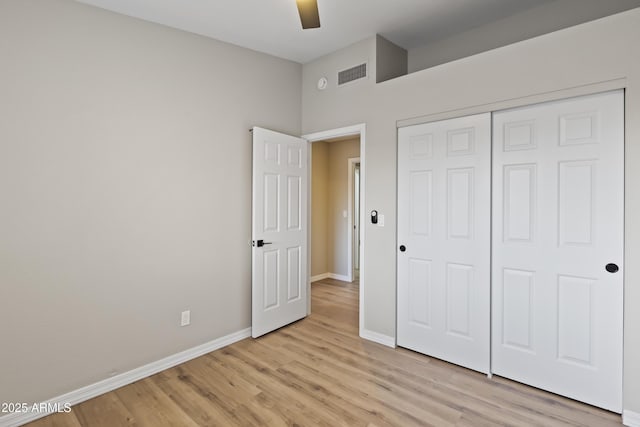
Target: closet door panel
558, 204
444, 229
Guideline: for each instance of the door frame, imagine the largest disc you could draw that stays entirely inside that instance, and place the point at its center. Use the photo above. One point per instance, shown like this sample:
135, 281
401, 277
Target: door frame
354, 130
351, 164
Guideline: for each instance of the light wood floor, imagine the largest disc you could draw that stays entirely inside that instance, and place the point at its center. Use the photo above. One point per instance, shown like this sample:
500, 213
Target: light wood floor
319, 372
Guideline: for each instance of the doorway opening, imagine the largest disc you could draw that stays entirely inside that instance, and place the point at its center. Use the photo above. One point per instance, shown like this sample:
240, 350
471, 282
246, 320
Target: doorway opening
336, 249
332, 207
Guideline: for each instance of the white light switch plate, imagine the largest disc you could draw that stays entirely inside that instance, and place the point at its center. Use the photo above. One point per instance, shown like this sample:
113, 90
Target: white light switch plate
185, 318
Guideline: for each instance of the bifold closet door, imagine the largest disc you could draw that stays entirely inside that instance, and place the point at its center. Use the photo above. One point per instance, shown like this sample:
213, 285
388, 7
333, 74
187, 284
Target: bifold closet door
444, 240
557, 249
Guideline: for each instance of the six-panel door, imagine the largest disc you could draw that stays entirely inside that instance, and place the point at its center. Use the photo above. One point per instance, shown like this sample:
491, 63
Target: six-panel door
443, 225
279, 230
558, 204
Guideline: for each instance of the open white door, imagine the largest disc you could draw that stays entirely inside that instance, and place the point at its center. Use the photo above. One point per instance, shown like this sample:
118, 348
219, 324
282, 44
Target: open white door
279, 231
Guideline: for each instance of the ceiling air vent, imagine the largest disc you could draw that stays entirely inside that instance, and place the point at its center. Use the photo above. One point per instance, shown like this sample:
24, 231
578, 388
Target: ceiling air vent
351, 74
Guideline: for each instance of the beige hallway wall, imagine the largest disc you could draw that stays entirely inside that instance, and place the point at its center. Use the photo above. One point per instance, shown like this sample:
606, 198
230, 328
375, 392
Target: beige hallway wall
319, 207
329, 235
338, 248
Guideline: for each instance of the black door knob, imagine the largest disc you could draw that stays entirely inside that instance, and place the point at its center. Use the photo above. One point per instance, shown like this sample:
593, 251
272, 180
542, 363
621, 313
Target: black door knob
403, 248
612, 268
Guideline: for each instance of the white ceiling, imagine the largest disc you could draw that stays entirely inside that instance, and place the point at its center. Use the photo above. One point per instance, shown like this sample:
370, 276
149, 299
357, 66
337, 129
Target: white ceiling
273, 26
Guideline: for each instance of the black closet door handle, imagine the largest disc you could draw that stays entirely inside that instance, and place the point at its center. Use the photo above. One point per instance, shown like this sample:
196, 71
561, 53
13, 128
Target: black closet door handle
403, 248
612, 268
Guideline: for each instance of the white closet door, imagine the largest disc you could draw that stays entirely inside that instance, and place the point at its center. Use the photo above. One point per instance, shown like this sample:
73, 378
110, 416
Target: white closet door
444, 229
558, 193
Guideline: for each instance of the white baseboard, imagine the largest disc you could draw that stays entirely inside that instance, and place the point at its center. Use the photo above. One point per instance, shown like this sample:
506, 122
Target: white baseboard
320, 277
339, 277
630, 418
96, 389
330, 276
379, 338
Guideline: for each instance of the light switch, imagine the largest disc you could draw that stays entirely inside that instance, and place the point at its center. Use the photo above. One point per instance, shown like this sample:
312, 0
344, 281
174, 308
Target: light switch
185, 318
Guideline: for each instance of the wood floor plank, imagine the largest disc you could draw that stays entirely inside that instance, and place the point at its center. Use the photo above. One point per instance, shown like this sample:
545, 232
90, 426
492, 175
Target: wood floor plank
319, 372
298, 391
201, 405
400, 391
103, 411
150, 406
59, 420
364, 391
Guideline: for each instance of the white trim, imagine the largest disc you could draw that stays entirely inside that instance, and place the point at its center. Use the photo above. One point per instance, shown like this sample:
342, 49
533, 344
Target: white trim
340, 277
309, 221
379, 338
361, 258
351, 163
320, 277
630, 418
96, 389
335, 133
587, 89
334, 276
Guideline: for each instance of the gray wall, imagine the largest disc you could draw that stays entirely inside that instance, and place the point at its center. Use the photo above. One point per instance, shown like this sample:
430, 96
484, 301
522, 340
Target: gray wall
525, 72
533, 22
125, 183
391, 60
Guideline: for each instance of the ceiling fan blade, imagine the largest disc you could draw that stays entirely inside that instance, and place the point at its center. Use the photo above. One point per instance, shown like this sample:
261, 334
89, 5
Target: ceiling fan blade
309, 16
